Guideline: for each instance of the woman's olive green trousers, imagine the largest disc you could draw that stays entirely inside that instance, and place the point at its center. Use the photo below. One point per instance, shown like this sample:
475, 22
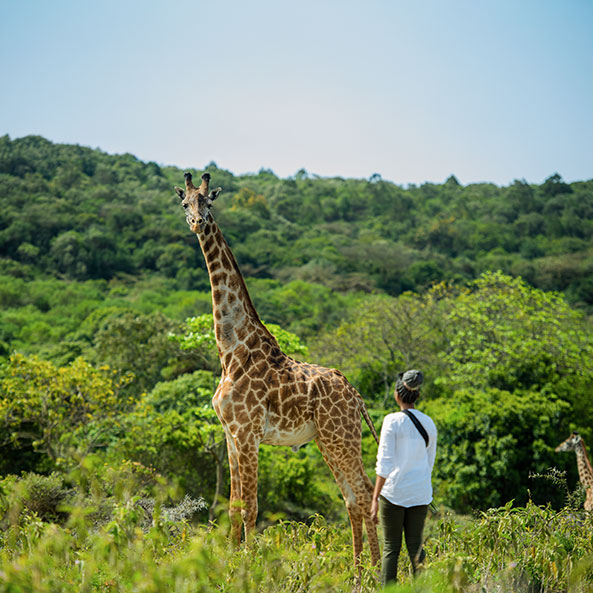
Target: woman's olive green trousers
395, 520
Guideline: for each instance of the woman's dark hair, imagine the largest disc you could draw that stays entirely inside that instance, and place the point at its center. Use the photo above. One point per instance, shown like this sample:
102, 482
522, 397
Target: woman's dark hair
408, 386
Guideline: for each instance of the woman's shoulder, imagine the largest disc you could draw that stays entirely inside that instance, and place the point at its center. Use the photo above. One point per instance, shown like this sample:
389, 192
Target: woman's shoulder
424, 417
394, 418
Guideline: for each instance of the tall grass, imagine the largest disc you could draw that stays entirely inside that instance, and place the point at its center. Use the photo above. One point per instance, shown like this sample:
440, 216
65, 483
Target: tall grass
131, 546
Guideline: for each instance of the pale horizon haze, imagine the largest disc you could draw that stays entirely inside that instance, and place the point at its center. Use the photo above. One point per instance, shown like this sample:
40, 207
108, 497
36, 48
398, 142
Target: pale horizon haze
489, 91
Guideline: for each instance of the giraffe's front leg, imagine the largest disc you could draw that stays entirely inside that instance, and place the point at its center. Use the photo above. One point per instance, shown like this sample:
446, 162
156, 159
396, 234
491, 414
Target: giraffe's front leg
248, 449
235, 497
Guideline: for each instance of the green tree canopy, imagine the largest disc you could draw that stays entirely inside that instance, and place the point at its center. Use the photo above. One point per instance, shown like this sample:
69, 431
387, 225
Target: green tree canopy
58, 409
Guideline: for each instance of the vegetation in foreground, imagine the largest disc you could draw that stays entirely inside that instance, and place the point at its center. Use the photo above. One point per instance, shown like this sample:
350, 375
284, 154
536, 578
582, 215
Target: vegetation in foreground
96, 538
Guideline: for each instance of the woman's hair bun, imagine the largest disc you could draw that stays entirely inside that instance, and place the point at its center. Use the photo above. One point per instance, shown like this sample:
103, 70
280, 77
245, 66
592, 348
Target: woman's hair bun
408, 385
412, 379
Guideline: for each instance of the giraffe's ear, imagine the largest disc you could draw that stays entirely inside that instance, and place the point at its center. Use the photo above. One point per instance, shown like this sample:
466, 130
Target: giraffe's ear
179, 192
214, 194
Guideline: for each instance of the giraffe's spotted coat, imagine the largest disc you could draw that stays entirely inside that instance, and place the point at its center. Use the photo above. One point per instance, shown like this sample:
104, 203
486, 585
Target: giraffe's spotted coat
264, 396
575, 443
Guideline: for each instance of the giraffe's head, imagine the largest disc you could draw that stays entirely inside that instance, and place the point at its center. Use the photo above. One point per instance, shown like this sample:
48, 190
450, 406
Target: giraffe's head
572, 443
197, 201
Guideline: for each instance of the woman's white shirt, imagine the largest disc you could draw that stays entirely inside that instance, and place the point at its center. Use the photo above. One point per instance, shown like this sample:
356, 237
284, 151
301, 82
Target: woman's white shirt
404, 459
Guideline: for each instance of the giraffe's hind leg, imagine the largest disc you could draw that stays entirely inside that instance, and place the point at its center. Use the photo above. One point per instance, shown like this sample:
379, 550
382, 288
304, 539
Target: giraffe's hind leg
357, 491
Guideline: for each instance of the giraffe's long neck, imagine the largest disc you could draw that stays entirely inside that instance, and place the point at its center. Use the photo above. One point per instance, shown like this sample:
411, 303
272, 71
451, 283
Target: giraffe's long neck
584, 466
236, 322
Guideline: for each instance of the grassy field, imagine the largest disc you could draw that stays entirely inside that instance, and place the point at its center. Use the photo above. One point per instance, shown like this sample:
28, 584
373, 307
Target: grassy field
133, 544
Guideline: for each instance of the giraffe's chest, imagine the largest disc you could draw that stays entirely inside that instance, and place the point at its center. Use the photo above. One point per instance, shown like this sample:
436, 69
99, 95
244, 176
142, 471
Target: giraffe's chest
287, 434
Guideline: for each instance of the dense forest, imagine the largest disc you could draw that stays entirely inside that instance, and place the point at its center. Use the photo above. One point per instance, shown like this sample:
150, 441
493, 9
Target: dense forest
105, 328
74, 213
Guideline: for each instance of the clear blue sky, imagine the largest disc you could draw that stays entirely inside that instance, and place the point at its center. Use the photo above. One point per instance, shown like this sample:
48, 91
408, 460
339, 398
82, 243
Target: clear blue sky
413, 90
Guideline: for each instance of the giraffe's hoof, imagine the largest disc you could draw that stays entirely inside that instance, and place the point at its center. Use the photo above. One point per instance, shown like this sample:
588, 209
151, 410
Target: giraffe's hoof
206, 177
187, 176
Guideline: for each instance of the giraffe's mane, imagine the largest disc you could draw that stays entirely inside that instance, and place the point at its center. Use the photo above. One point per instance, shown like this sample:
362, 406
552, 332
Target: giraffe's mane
252, 310
587, 459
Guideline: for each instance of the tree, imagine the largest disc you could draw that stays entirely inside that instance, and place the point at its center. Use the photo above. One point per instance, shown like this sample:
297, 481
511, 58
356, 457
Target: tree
58, 409
554, 185
183, 442
136, 343
381, 337
502, 333
490, 442
199, 339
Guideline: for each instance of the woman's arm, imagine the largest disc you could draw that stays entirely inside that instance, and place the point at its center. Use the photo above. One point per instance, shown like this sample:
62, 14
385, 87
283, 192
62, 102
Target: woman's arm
375, 502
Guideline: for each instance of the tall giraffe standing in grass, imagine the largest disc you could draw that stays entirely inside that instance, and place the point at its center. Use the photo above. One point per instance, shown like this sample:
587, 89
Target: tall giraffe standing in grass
575, 443
264, 396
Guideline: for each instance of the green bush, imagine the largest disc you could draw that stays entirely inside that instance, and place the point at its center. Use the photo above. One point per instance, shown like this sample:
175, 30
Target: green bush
42, 496
490, 441
296, 485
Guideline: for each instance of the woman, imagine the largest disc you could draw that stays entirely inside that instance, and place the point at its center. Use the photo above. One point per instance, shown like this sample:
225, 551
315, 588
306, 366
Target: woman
403, 489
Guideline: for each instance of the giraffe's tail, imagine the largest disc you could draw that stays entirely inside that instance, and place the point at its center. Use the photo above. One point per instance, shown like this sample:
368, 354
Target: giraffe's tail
365, 414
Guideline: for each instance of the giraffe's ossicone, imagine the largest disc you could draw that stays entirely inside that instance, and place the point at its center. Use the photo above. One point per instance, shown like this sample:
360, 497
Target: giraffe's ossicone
265, 396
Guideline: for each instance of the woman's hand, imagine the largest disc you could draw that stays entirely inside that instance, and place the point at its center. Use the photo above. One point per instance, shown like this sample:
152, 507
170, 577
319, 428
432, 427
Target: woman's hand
375, 500
375, 511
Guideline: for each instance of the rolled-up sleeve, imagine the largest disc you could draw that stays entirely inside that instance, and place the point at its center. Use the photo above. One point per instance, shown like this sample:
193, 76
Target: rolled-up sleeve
386, 452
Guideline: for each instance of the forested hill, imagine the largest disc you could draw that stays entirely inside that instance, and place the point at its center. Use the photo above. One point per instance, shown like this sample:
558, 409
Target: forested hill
107, 347
78, 213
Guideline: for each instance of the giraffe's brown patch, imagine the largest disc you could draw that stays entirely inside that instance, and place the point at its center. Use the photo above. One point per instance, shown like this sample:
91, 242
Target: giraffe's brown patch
225, 261
215, 252
214, 265
257, 356
259, 368
242, 332
273, 382
228, 414
242, 416
286, 390
258, 385
234, 283
241, 354
235, 369
217, 314
208, 244
251, 341
218, 278
241, 385
273, 406
251, 399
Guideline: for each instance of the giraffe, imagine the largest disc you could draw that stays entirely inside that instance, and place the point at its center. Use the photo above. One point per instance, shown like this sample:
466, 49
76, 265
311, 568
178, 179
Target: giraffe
575, 443
265, 396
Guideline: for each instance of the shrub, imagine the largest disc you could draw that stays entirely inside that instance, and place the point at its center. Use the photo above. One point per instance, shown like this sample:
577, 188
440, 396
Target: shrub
34, 494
